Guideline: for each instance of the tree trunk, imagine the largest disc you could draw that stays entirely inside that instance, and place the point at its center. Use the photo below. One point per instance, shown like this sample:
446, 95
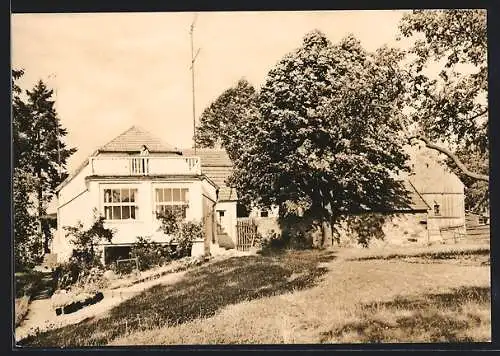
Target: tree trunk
45, 246
326, 234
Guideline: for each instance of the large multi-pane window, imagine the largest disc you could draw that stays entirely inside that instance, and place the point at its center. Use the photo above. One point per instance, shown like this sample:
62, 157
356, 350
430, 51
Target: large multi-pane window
175, 200
120, 204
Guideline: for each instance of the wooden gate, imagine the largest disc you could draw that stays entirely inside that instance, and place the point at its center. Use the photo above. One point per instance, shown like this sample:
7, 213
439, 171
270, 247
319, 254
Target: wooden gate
247, 234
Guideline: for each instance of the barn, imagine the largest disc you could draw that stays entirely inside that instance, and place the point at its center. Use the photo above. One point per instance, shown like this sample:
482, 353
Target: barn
443, 192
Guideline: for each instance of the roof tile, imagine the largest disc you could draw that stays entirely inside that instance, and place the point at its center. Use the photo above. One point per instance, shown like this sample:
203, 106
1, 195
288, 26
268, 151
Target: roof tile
133, 139
217, 166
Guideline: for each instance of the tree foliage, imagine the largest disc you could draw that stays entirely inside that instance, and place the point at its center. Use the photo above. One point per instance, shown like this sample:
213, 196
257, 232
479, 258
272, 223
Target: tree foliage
327, 138
450, 103
39, 156
28, 242
85, 240
228, 120
38, 142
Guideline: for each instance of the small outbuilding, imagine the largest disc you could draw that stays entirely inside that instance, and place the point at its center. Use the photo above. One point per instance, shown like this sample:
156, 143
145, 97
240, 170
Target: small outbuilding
443, 192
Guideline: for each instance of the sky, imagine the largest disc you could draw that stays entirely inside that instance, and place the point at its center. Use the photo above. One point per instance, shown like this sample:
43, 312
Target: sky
110, 71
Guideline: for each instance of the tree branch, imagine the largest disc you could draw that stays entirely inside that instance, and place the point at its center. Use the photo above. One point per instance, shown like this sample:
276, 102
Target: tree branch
455, 159
478, 115
476, 207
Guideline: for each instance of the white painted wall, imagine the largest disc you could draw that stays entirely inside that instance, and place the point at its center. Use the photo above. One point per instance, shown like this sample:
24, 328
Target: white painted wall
77, 201
229, 220
73, 198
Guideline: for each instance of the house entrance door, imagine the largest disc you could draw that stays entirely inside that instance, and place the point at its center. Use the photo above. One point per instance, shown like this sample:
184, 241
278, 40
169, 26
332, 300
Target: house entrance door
221, 221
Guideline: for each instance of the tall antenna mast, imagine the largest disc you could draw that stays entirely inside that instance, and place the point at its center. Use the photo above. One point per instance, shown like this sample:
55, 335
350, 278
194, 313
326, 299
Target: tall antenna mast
193, 59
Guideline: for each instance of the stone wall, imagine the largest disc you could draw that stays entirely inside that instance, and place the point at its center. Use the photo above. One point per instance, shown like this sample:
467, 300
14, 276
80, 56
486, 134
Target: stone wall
398, 229
406, 228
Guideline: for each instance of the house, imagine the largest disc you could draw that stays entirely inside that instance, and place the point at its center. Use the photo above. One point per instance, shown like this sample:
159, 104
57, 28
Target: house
135, 176
217, 166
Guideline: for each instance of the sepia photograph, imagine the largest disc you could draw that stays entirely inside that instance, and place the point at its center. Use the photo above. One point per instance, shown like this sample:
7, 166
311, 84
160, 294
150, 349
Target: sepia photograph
250, 178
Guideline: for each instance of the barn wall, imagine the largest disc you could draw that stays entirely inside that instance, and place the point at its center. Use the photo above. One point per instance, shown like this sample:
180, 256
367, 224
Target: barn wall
406, 228
451, 210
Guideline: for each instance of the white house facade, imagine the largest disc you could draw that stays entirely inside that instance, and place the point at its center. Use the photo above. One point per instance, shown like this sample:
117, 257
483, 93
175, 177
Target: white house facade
131, 179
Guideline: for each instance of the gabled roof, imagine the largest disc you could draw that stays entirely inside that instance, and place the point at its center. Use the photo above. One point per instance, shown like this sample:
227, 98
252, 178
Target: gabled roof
417, 203
129, 141
429, 176
216, 165
133, 139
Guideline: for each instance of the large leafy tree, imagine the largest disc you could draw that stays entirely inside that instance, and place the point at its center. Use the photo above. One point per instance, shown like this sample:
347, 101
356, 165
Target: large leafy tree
228, 120
38, 144
327, 139
448, 92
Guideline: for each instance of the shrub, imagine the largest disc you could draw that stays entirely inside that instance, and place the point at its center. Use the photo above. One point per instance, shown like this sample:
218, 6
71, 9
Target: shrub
149, 254
183, 233
85, 263
170, 222
86, 240
272, 240
68, 273
27, 283
188, 232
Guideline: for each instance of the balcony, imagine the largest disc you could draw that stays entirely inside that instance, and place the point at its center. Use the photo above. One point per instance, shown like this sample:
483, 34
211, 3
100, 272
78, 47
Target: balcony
144, 166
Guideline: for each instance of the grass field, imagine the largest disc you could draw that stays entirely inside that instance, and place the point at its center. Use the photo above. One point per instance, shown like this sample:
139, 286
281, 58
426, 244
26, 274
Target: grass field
302, 297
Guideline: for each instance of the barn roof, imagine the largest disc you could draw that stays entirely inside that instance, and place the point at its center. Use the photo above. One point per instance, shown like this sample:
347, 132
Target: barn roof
133, 139
216, 165
429, 176
417, 203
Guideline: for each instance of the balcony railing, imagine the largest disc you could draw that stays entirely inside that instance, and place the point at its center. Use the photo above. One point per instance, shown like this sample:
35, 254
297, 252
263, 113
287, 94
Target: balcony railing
144, 166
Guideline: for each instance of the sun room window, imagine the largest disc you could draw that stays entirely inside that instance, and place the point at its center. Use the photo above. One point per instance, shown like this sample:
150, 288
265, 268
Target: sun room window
120, 204
174, 200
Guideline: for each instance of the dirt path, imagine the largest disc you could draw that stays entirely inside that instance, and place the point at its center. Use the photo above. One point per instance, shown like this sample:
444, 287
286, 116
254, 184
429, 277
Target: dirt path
42, 316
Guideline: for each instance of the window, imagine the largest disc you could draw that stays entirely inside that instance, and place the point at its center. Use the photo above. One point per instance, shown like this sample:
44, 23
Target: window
264, 213
174, 200
120, 204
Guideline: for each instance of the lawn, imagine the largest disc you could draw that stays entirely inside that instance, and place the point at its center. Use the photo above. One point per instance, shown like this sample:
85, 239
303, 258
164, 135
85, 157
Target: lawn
299, 297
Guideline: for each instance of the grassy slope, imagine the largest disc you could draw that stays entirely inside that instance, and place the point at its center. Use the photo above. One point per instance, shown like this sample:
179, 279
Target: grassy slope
201, 294
26, 284
359, 301
292, 298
